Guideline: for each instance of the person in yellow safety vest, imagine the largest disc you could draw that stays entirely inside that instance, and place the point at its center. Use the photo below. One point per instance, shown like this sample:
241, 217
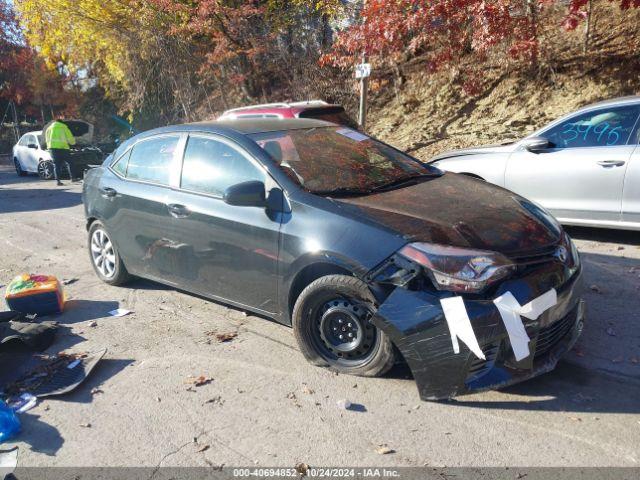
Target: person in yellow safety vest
59, 139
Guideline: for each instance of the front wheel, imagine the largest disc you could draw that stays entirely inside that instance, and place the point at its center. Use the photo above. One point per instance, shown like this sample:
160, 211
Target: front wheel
45, 169
332, 325
104, 256
19, 171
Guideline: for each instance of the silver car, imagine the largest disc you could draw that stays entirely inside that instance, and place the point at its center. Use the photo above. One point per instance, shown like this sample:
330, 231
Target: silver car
584, 167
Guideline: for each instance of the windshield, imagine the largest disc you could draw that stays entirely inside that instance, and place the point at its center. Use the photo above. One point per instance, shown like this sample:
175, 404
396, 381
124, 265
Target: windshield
334, 160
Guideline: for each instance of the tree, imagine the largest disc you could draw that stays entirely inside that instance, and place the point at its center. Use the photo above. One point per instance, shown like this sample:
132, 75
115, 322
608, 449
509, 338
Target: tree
446, 31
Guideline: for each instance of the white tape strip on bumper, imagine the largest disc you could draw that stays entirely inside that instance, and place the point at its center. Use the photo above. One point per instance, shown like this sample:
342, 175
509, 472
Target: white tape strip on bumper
510, 311
460, 326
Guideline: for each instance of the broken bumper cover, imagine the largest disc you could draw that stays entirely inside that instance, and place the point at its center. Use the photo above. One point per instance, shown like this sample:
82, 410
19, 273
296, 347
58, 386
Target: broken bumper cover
415, 322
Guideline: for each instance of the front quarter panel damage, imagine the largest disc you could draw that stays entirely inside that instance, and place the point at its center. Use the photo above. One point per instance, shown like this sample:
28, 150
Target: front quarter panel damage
415, 323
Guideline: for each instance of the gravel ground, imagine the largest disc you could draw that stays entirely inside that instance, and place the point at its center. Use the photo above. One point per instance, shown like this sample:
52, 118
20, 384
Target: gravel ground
267, 406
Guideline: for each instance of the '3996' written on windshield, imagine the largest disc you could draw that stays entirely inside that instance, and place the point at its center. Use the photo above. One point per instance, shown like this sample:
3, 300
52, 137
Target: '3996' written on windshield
600, 134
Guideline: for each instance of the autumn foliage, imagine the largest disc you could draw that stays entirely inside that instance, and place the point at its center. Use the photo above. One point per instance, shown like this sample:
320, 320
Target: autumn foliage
162, 61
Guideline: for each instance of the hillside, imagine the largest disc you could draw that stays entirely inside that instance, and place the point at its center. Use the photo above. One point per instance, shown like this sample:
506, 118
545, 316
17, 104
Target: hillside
428, 114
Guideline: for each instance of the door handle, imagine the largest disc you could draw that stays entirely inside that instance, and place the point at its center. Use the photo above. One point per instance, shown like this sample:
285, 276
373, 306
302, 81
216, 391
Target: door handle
178, 211
108, 192
611, 163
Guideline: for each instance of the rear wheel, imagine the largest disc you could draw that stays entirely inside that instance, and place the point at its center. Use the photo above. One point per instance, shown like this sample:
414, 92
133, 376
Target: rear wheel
332, 325
19, 171
45, 169
104, 256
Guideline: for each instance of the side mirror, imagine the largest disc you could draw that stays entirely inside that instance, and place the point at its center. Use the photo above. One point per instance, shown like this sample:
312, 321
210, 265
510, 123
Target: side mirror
535, 144
246, 194
32, 145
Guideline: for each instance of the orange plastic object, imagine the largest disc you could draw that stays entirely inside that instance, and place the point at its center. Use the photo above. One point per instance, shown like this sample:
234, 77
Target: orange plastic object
33, 293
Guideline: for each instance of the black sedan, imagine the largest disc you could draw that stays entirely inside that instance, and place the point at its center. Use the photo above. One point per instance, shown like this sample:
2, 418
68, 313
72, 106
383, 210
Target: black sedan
371, 256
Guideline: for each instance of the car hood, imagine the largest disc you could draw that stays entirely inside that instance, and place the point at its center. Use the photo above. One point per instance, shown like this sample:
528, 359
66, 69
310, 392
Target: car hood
460, 211
501, 148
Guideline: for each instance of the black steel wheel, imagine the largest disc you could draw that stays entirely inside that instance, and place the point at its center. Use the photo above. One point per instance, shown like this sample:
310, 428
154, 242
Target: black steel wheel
45, 169
332, 324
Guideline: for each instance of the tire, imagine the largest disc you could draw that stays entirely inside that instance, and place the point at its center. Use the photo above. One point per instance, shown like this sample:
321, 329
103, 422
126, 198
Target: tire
104, 256
19, 171
322, 312
45, 169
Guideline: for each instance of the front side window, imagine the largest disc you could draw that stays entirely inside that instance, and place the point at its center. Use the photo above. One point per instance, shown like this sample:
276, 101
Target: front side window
600, 128
333, 160
211, 166
152, 160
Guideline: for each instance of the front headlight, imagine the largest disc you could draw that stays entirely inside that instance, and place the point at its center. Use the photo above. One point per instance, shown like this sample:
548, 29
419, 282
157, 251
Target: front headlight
458, 269
573, 262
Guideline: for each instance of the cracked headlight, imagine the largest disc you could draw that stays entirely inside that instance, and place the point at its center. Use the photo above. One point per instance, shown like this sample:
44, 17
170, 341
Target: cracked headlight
458, 269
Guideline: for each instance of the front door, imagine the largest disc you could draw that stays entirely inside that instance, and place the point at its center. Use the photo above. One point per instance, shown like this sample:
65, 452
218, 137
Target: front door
581, 176
227, 251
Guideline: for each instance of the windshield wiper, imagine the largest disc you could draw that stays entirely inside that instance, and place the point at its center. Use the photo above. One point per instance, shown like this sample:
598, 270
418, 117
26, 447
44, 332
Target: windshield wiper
342, 192
403, 182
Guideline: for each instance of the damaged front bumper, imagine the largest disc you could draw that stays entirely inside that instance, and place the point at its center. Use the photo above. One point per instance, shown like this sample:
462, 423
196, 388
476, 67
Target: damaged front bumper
415, 322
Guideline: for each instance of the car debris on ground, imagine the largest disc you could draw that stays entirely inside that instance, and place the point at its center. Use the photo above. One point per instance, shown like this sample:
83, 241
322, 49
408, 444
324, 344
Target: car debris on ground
35, 293
18, 327
199, 381
56, 374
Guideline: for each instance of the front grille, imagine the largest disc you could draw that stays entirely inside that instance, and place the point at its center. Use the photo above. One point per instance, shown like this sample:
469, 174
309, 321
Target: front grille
478, 366
550, 335
547, 255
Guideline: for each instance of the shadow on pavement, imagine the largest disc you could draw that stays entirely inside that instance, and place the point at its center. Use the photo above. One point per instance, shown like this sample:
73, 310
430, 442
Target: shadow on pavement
36, 199
105, 369
569, 388
604, 235
41, 437
76, 311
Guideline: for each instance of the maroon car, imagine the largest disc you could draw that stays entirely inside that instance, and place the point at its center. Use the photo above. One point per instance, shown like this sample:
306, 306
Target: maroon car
317, 109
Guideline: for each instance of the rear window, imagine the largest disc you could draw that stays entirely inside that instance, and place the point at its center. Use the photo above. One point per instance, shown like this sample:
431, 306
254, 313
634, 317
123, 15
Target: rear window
332, 114
151, 160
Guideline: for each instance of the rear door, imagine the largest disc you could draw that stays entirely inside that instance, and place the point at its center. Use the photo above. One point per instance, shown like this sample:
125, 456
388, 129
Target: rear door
137, 214
581, 177
226, 251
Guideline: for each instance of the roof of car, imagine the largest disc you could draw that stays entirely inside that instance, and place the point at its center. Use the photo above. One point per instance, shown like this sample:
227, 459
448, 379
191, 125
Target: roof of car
234, 127
281, 105
614, 101
256, 125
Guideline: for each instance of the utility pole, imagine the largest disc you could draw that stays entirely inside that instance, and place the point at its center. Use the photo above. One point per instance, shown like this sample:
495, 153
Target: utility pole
362, 72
